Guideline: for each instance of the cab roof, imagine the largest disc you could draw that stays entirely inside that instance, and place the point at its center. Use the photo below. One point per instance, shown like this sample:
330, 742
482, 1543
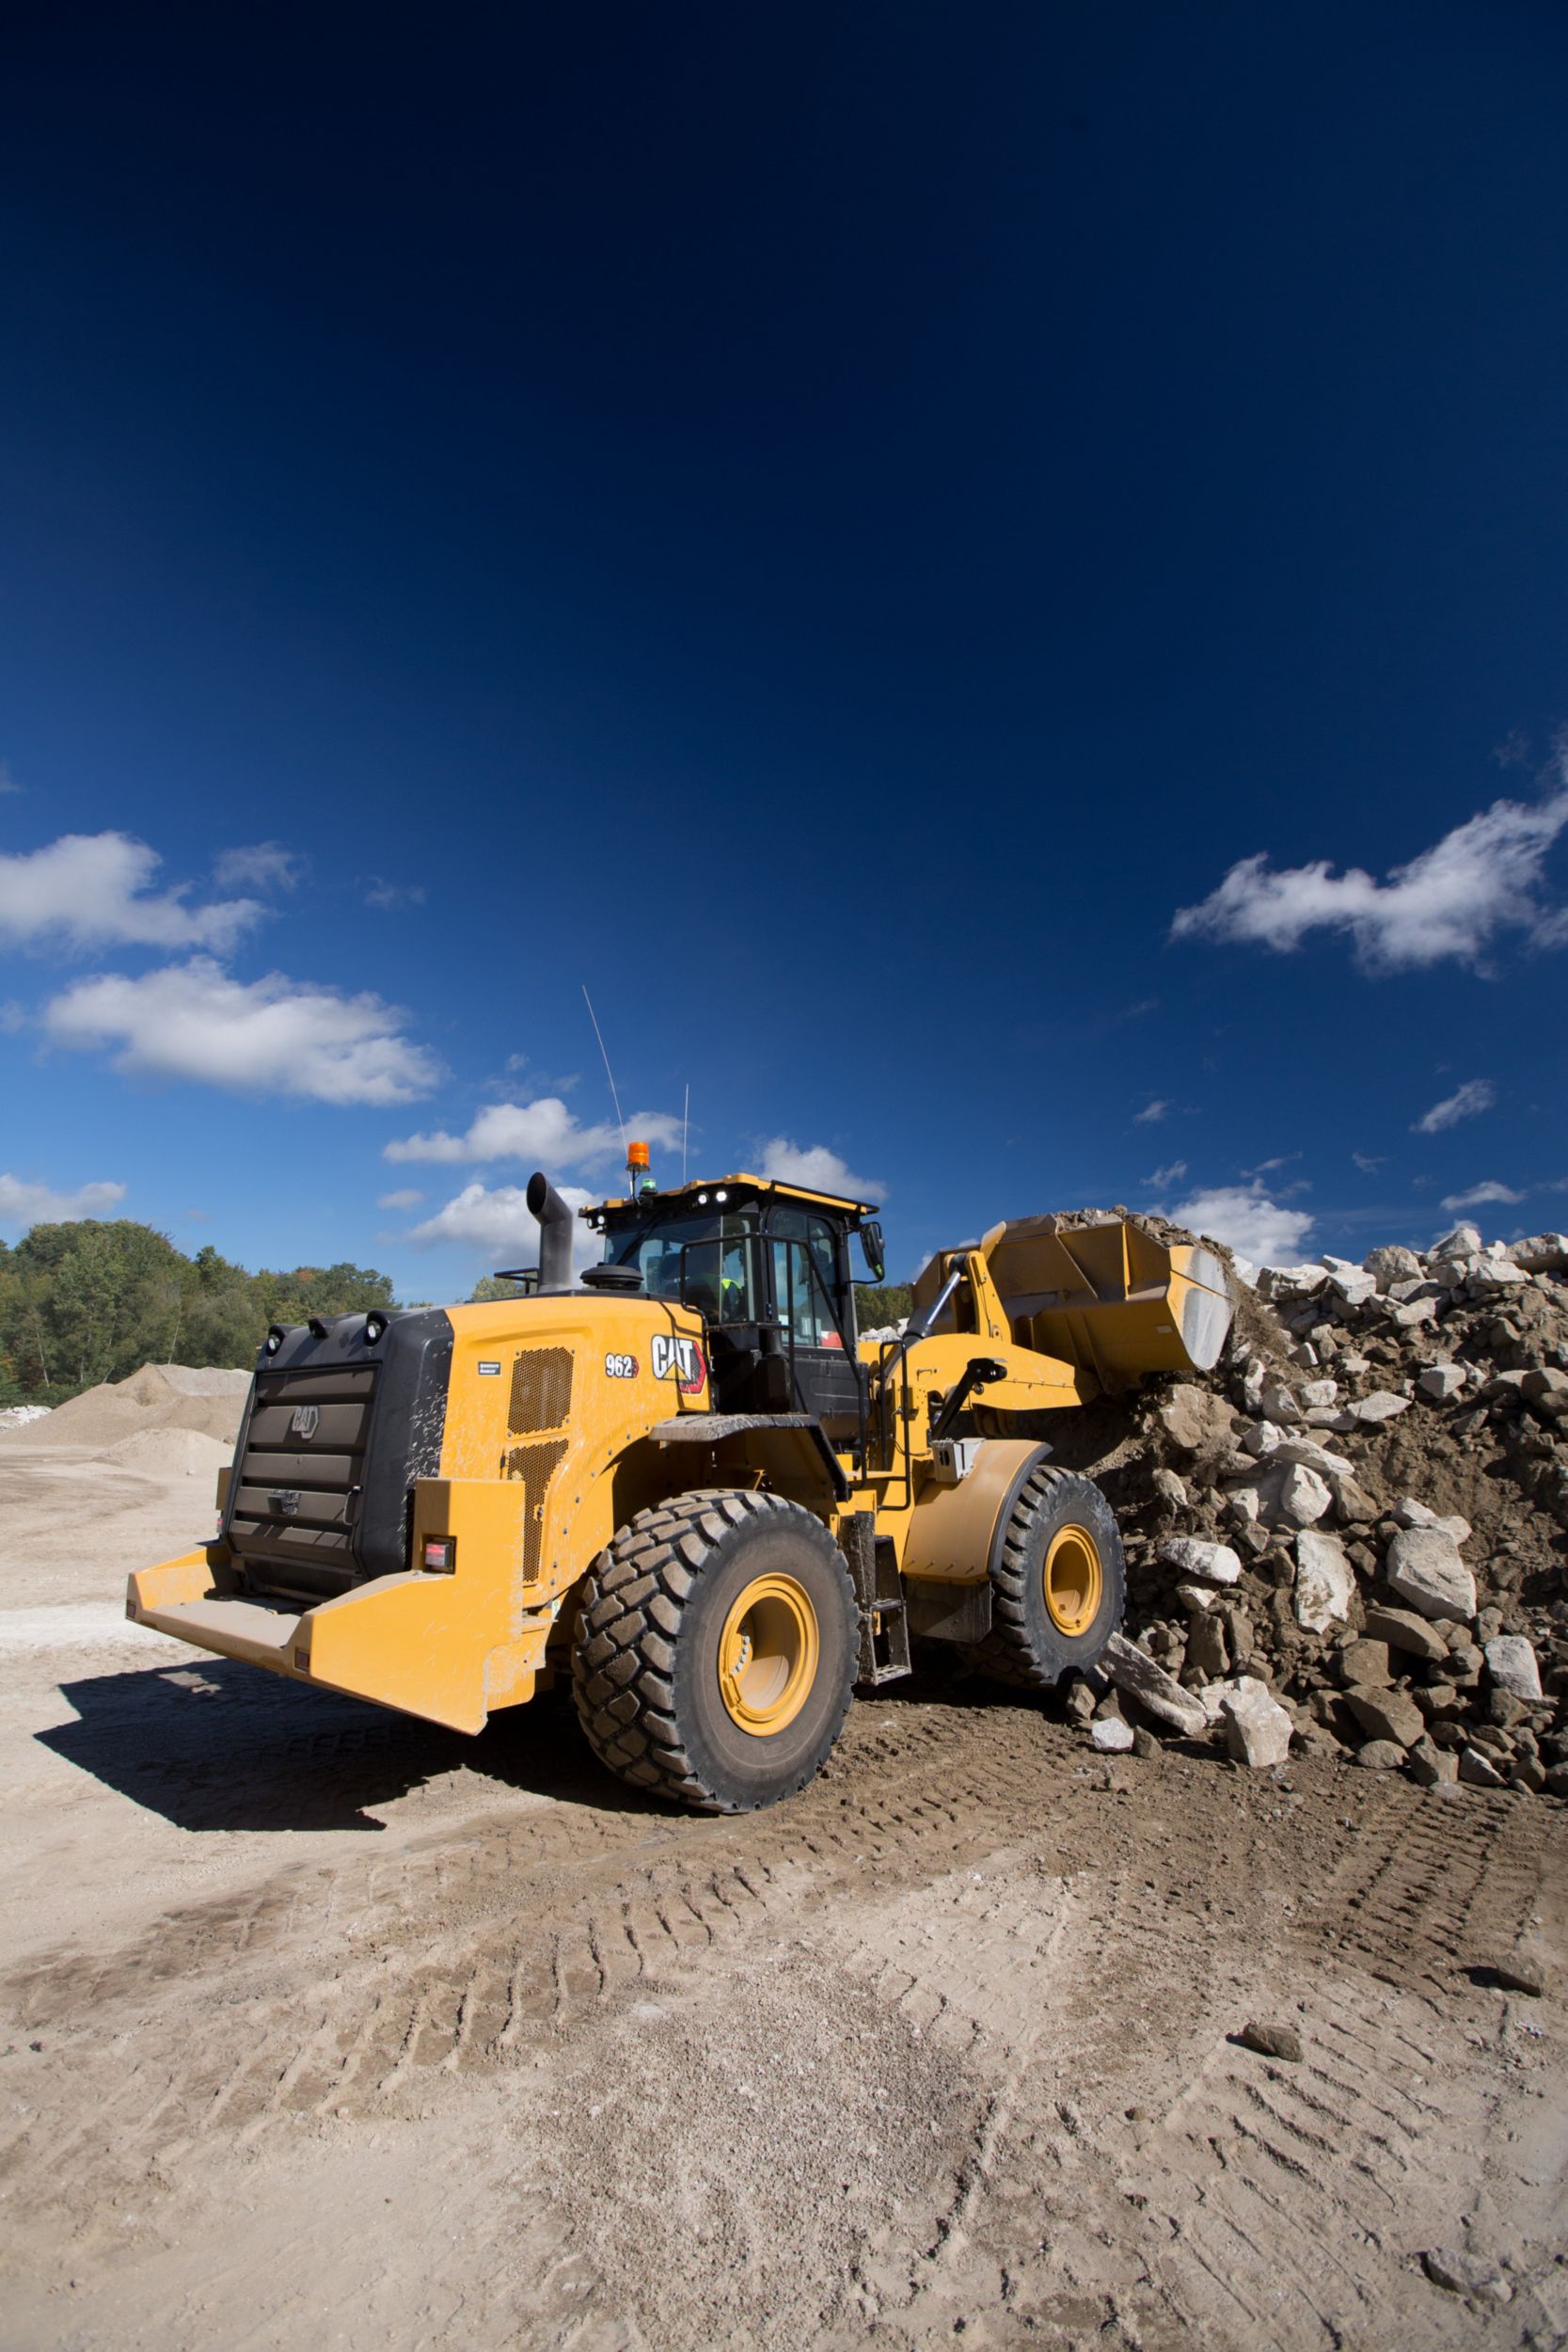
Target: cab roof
701, 1184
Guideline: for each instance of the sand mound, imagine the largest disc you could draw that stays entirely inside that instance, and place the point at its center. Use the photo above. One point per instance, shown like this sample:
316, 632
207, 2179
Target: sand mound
169, 1453
159, 1397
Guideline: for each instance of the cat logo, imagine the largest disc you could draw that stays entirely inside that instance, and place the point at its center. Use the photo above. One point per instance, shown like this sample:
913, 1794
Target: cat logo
306, 1421
680, 1360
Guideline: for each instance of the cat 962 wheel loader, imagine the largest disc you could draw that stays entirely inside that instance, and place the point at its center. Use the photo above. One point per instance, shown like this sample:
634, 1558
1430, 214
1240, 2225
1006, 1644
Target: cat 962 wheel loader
679, 1480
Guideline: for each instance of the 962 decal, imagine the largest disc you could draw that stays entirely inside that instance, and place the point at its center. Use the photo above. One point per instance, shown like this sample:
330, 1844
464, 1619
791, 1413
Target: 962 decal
620, 1367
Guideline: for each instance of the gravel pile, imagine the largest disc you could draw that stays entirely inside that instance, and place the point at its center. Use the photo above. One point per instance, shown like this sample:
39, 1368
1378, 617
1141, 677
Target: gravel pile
1351, 1537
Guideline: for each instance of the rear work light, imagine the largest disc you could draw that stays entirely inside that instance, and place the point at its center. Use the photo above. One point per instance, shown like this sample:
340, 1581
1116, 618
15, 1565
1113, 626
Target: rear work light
440, 1553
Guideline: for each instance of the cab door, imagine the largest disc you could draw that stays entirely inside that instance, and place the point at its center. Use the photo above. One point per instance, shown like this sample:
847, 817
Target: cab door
813, 1303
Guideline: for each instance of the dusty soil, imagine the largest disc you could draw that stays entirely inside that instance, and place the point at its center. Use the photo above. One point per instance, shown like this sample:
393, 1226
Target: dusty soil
322, 2026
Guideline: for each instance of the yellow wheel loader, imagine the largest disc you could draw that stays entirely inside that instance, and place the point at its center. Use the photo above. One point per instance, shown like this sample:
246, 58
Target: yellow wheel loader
679, 1480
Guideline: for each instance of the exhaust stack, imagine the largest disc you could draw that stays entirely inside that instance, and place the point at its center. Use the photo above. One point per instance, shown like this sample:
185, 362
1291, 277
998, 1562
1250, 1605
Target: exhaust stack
556, 1224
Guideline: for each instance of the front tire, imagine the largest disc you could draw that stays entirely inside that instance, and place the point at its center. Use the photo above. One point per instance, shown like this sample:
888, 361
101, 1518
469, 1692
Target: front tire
716, 1650
1058, 1582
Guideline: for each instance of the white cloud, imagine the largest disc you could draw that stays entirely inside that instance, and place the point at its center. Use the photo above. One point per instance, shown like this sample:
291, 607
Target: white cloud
817, 1169
544, 1132
89, 890
1164, 1176
389, 897
12, 1017
1449, 901
1474, 1096
1484, 1196
8, 781
21, 1205
495, 1221
273, 1036
1365, 1163
399, 1199
264, 865
1245, 1218
1151, 1113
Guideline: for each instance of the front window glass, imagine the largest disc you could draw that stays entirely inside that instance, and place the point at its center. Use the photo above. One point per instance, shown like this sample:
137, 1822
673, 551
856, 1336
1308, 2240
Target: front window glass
721, 1272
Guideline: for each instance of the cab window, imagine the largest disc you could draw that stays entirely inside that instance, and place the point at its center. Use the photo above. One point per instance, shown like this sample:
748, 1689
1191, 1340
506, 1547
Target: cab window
709, 1260
805, 1278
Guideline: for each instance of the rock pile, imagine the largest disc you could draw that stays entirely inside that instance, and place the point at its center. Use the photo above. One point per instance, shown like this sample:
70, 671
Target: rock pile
1351, 1537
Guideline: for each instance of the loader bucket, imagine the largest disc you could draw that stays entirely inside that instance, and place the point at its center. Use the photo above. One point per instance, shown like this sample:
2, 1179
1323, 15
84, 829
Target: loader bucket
1110, 1296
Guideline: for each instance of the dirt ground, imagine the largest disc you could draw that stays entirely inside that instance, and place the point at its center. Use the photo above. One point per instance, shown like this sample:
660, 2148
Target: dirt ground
322, 2026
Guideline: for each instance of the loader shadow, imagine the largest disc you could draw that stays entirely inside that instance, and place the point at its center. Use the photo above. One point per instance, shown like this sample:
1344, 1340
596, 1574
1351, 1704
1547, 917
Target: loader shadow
221, 1746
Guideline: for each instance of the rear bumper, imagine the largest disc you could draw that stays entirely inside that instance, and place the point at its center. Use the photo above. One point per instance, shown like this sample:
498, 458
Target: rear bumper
408, 1642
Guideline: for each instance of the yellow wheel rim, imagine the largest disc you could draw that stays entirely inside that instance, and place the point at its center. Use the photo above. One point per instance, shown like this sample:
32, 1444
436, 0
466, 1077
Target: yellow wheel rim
768, 1655
1074, 1580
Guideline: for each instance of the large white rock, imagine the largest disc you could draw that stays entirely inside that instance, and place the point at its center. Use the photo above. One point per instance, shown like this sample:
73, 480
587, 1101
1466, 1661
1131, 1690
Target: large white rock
1441, 1381
1132, 1669
1392, 1264
1463, 1242
1511, 1662
1198, 1600
1494, 1273
1216, 1564
1262, 1438
1382, 1404
1409, 1513
1256, 1728
1279, 1405
1423, 1567
1325, 1581
1303, 1498
1323, 1392
1110, 1735
1544, 1253
1351, 1285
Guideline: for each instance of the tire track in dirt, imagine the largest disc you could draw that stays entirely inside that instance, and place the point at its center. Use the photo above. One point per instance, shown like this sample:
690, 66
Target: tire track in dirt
1008, 1947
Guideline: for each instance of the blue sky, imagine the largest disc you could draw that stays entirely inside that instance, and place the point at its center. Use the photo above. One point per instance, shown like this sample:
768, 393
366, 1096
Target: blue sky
992, 582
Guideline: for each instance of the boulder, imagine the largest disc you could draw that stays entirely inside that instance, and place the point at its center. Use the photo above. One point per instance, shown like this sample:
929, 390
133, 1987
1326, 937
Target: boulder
1511, 1662
1208, 1652
1546, 1390
1388, 1715
1381, 1755
1479, 1772
1443, 1381
1433, 1767
1194, 1419
1544, 1253
1392, 1264
1365, 1664
1320, 1392
1463, 1242
1110, 1735
1353, 1505
1278, 1405
1409, 1513
1324, 1582
1424, 1568
1380, 1407
1256, 1727
1302, 1497
1216, 1564
1403, 1629
1132, 1669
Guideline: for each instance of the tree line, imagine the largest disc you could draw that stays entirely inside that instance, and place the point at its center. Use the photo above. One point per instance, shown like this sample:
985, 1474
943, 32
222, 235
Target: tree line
92, 1300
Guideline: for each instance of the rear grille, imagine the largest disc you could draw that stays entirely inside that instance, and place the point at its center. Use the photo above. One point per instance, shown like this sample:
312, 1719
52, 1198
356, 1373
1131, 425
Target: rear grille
541, 1391
295, 1496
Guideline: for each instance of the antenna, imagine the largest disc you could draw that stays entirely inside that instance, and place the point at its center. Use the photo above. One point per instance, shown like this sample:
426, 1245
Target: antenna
607, 1072
686, 1125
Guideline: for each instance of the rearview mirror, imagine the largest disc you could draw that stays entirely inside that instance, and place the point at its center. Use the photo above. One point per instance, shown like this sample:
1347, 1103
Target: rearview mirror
871, 1248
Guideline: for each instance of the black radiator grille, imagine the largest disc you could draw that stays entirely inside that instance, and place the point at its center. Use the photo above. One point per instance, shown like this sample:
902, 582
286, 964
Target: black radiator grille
297, 1492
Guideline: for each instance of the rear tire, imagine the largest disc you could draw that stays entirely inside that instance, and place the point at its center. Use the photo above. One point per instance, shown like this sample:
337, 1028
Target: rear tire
1058, 1583
716, 1648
